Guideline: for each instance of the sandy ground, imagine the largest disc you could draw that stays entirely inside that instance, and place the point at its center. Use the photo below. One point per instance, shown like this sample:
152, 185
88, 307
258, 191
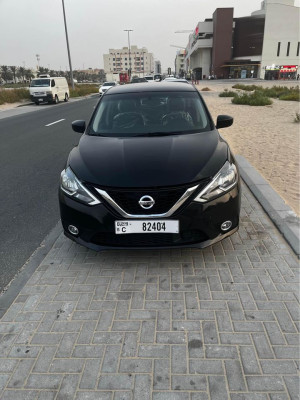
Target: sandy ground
267, 136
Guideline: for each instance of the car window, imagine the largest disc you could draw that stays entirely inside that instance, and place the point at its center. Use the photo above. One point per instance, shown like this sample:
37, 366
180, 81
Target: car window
151, 113
40, 83
109, 84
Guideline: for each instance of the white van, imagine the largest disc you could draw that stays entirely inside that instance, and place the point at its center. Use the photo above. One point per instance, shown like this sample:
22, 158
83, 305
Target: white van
51, 89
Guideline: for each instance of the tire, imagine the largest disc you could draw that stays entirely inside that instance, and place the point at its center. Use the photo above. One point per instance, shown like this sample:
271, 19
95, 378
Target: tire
56, 101
66, 97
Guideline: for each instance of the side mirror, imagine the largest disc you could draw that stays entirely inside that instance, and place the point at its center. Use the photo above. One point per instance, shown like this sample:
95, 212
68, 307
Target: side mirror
223, 121
78, 126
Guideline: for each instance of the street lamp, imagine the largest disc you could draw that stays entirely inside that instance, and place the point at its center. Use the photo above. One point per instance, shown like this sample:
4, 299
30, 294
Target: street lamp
38, 61
129, 30
72, 81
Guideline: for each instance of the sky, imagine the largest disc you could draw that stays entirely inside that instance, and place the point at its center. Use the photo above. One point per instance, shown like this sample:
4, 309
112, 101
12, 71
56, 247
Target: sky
30, 27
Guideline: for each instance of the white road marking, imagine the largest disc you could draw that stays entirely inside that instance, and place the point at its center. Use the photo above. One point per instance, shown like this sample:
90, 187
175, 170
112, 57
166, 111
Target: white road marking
52, 123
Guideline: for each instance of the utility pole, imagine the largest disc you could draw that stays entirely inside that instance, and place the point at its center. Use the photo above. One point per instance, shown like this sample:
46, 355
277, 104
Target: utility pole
129, 30
72, 81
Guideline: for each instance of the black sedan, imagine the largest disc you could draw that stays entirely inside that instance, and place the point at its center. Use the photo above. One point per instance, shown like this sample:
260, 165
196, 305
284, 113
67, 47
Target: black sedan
150, 170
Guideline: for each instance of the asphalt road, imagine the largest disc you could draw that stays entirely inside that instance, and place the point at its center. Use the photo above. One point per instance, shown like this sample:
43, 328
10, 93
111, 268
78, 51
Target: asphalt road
32, 155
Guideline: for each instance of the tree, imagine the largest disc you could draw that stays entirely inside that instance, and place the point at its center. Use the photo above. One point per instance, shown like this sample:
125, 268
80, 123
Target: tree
21, 73
6, 73
43, 70
28, 74
14, 71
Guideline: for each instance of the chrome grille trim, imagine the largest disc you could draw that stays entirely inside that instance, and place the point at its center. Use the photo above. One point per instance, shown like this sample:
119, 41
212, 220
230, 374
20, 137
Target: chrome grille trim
124, 214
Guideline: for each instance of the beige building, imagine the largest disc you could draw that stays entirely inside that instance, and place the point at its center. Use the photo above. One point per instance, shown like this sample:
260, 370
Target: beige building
179, 62
141, 61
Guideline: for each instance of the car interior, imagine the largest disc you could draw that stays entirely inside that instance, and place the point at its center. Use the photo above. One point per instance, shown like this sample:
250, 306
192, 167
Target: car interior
149, 113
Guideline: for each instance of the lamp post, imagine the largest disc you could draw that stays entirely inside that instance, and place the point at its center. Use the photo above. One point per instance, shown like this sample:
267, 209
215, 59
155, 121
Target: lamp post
72, 81
129, 30
38, 61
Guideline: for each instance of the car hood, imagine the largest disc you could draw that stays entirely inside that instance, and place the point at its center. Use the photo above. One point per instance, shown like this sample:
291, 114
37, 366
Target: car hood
148, 161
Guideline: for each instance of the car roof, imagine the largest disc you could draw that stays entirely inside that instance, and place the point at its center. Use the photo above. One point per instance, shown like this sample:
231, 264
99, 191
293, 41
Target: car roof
145, 87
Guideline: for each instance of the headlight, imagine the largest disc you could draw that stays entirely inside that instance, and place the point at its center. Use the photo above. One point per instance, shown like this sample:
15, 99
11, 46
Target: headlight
225, 180
71, 185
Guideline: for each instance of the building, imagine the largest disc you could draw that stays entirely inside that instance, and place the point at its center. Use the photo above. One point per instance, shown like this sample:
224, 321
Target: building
141, 62
179, 63
157, 69
262, 45
280, 53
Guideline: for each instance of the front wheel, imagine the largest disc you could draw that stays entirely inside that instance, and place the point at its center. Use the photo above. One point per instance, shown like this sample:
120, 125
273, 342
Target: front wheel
66, 97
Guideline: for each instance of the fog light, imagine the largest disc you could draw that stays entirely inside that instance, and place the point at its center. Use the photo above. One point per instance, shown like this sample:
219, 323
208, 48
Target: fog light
226, 225
73, 230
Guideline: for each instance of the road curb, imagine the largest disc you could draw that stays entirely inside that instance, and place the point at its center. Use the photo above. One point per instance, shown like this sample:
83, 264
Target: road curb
19, 281
285, 219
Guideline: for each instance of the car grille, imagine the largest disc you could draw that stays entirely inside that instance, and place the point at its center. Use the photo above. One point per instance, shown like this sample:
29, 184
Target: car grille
149, 239
164, 198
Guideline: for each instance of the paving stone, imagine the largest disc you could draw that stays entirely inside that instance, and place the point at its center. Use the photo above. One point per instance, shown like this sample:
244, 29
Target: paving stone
111, 359
206, 367
262, 346
234, 375
178, 359
116, 382
95, 395
217, 388
90, 374
67, 365
249, 361
265, 383
171, 396
68, 387
44, 381
142, 387
189, 382
161, 375
135, 365
221, 352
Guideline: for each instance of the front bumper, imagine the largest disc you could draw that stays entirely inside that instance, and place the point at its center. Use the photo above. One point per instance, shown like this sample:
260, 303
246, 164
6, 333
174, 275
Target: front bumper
199, 224
41, 99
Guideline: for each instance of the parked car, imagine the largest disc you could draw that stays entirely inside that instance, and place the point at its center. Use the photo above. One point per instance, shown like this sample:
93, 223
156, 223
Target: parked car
50, 89
150, 170
105, 86
182, 80
138, 80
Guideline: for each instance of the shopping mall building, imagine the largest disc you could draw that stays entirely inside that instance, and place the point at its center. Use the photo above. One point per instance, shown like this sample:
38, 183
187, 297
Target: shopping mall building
263, 45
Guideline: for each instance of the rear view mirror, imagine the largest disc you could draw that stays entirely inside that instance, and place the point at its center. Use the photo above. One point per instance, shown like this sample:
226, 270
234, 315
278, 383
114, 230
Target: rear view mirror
78, 126
223, 121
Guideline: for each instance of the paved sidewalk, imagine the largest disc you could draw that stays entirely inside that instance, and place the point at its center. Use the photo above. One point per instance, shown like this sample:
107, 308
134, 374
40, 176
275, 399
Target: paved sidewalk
214, 324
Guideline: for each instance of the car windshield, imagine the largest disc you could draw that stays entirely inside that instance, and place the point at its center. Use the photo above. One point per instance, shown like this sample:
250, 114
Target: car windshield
109, 84
149, 114
40, 83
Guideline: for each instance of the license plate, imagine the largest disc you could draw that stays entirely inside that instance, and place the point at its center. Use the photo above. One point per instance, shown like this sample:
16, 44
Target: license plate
146, 226
40, 99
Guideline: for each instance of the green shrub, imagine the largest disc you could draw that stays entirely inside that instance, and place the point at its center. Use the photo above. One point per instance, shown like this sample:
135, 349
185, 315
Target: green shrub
248, 88
276, 92
252, 99
13, 95
292, 96
227, 93
297, 118
83, 90
206, 89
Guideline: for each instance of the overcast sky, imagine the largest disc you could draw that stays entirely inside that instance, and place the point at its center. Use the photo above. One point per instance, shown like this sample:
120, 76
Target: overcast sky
30, 27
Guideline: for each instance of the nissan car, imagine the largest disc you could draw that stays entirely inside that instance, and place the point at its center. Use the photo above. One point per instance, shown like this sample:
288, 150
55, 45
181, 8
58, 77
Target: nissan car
150, 171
